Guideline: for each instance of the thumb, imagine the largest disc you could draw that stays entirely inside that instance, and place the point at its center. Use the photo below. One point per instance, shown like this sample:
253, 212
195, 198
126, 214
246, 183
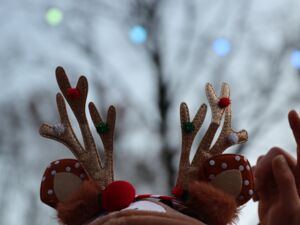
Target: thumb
285, 180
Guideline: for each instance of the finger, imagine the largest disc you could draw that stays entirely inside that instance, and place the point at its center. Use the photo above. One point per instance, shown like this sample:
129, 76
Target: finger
263, 169
259, 158
264, 163
253, 168
255, 196
285, 181
294, 121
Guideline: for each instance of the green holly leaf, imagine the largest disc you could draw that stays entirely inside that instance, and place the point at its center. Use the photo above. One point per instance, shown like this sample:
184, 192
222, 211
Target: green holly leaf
188, 127
102, 128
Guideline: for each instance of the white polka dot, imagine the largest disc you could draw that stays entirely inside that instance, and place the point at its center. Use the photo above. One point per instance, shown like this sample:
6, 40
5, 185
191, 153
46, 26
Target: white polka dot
237, 158
250, 192
68, 169
211, 176
82, 176
59, 129
56, 162
77, 165
53, 172
44, 178
245, 159
246, 182
212, 162
233, 138
241, 168
248, 167
50, 192
49, 166
224, 165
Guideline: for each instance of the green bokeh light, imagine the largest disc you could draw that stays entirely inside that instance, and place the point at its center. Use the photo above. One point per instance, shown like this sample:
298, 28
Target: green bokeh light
54, 16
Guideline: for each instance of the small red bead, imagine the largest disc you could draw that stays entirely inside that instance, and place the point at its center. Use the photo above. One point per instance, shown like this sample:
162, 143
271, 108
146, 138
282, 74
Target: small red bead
177, 191
73, 93
117, 195
224, 102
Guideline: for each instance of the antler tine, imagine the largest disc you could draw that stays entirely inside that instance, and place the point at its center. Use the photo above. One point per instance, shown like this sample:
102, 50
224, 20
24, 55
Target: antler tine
106, 132
213, 102
225, 90
67, 135
189, 131
77, 105
222, 142
217, 113
87, 156
219, 105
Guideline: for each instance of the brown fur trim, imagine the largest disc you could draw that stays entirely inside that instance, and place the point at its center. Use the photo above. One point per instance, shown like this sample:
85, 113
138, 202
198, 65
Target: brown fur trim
81, 206
214, 206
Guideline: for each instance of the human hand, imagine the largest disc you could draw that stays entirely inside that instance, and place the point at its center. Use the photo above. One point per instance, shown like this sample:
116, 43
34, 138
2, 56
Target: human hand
277, 176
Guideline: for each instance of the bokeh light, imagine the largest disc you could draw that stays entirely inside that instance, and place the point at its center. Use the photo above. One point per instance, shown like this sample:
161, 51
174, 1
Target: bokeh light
54, 16
221, 46
138, 34
295, 59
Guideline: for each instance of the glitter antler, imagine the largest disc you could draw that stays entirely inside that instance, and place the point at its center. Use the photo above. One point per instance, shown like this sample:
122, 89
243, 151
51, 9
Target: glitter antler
189, 171
88, 155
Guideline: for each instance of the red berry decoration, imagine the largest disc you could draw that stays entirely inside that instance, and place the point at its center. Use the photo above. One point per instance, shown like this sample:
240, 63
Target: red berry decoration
177, 191
224, 102
117, 195
73, 93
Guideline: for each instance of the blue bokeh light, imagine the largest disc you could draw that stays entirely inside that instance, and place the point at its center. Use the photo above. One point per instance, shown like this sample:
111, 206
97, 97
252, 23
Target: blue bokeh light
295, 59
221, 46
138, 34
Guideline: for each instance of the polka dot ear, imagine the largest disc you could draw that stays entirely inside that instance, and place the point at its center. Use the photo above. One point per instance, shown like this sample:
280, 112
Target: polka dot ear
61, 178
232, 173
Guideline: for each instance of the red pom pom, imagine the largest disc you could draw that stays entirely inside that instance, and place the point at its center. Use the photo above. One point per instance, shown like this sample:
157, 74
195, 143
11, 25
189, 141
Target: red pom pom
117, 195
73, 93
224, 102
177, 191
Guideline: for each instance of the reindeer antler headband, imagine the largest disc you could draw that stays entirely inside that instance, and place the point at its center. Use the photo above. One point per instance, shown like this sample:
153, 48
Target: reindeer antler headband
99, 171
228, 137
228, 172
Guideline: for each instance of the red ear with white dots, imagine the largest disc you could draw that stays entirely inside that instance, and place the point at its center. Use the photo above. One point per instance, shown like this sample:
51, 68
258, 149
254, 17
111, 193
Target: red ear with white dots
61, 178
231, 173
